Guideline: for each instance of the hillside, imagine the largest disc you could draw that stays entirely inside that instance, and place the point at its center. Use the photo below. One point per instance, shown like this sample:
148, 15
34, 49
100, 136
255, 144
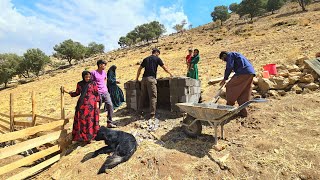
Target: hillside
279, 141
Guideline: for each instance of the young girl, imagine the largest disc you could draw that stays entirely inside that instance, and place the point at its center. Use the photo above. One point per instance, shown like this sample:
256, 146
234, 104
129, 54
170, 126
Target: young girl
86, 118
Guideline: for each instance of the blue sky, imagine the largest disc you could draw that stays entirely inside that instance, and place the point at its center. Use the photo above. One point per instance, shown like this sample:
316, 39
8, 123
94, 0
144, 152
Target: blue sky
43, 23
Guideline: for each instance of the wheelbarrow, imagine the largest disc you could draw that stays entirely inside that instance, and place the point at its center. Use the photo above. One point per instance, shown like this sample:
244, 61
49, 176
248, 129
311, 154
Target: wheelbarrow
215, 114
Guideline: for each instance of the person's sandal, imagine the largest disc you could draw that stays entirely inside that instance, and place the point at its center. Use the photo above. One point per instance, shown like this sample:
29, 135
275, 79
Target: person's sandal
110, 125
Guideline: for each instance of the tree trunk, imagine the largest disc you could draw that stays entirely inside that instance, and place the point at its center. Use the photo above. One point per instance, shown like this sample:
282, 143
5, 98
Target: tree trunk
5, 84
69, 60
302, 4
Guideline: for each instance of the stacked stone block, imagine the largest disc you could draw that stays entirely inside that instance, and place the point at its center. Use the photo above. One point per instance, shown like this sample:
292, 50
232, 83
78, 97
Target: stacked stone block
132, 94
170, 91
184, 90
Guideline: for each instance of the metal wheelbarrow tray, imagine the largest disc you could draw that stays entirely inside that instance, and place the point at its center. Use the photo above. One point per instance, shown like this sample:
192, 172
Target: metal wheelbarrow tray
215, 114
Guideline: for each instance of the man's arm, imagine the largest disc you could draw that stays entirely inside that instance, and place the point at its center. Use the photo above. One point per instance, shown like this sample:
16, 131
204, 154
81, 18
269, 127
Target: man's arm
166, 70
138, 73
229, 66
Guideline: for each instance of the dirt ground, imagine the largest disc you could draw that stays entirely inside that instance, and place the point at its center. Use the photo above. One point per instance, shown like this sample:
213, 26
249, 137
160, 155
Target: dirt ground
280, 139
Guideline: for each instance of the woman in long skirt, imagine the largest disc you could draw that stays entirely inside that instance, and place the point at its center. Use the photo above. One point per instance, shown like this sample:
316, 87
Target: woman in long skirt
86, 118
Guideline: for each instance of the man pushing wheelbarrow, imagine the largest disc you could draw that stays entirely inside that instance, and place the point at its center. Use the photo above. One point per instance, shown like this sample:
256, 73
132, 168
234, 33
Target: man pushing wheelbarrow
238, 89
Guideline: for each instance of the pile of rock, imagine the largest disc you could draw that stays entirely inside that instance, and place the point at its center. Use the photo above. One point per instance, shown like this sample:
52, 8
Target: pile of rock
297, 78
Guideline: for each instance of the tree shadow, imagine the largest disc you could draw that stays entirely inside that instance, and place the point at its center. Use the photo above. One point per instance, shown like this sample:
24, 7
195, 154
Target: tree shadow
199, 147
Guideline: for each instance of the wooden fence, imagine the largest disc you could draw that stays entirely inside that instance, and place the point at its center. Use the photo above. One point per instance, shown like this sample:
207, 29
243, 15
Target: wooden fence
53, 132
59, 139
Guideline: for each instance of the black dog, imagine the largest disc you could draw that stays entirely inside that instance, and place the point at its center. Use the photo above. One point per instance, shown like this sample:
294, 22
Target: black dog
122, 144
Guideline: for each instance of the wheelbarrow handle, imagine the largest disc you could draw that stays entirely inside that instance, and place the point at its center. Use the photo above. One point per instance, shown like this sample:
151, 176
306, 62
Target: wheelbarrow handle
244, 105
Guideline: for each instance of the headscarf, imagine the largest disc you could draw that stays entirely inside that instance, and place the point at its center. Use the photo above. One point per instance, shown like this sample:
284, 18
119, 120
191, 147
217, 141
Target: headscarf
112, 69
111, 75
84, 88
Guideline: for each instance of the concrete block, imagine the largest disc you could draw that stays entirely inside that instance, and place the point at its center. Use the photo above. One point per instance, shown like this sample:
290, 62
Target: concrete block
131, 92
163, 83
126, 85
134, 106
179, 91
190, 82
190, 98
174, 99
195, 90
197, 83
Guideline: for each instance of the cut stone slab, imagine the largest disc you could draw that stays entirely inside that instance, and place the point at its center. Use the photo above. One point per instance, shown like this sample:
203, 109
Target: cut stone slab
314, 64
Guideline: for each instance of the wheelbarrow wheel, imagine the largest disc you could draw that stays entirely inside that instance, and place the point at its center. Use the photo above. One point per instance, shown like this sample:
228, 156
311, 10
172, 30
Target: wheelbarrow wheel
194, 130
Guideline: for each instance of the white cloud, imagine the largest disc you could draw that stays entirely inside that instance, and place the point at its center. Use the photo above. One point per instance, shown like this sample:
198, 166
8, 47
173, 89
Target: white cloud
50, 22
170, 16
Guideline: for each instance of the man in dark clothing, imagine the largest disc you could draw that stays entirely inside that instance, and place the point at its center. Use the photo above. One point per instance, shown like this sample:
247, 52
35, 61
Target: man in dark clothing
149, 80
239, 87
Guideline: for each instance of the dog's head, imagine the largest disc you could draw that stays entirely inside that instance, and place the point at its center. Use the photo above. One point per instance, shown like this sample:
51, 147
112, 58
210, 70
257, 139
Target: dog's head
102, 133
105, 134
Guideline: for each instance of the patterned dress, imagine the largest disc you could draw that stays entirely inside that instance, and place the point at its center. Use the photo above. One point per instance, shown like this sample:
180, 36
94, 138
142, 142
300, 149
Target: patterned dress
86, 118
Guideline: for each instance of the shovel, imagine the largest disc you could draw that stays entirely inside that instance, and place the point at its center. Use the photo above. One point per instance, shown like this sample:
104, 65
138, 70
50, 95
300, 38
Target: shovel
217, 96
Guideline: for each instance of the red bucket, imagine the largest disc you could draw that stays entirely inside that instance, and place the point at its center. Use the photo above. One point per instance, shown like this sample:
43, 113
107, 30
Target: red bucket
271, 68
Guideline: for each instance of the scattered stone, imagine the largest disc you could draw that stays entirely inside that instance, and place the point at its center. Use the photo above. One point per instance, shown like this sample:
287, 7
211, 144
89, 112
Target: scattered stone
280, 82
293, 79
293, 68
282, 93
300, 61
273, 93
265, 84
312, 86
308, 78
302, 85
297, 89
281, 67
300, 74
283, 73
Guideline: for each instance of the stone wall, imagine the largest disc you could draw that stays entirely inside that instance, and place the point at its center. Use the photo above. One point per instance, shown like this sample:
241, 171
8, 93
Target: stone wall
170, 91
